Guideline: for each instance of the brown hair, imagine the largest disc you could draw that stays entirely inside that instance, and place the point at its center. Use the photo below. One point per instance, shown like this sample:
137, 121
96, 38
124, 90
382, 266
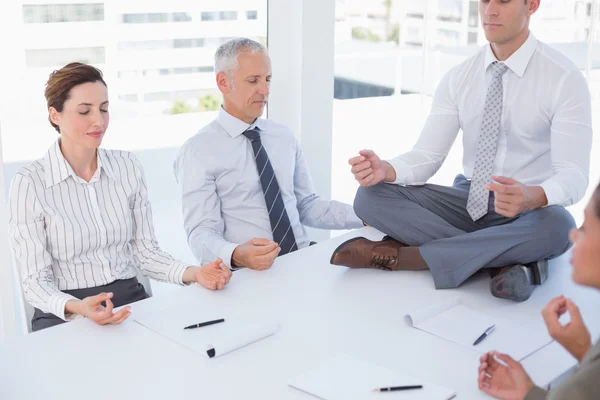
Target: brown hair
61, 82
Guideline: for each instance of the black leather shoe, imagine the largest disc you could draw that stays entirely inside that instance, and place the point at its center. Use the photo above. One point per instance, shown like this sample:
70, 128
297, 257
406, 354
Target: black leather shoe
517, 282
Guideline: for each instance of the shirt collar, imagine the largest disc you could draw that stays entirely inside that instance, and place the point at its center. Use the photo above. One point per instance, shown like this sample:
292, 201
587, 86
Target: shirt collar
234, 126
57, 168
105, 164
518, 62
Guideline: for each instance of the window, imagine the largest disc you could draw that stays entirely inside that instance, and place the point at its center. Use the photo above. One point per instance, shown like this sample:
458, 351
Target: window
181, 17
149, 56
132, 98
60, 57
184, 70
55, 13
182, 43
251, 14
473, 14
209, 16
228, 15
472, 38
133, 18
153, 18
219, 16
158, 96
158, 17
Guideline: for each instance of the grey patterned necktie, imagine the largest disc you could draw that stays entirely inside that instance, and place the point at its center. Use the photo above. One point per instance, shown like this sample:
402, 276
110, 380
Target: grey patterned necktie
280, 222
477, 204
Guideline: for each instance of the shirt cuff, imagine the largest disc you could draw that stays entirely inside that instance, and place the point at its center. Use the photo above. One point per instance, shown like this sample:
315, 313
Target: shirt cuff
555, 193
225, 253
536, 394
57, 304
352, 221
176, 271
404, 175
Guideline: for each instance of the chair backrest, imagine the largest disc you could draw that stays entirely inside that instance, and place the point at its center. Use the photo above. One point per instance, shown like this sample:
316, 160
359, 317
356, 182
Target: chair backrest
144, 281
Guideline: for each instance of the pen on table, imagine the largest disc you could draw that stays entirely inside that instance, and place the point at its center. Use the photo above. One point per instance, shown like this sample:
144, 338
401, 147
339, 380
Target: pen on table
201, 324
397, 388
484, 335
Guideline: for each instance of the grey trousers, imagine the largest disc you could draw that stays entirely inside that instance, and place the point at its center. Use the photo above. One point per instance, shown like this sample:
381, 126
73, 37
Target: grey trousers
124, 291
435, 219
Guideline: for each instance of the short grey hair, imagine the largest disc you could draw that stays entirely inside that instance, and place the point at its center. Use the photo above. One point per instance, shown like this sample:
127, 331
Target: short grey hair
226, 57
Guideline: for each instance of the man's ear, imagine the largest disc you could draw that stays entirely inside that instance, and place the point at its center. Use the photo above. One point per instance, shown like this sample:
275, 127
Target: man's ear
533, 6
54, 116
223, 83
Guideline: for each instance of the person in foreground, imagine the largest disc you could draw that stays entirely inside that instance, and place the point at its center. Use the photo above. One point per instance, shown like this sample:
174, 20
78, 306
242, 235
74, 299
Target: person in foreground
504, 378
246, 190
80, 221
525, 113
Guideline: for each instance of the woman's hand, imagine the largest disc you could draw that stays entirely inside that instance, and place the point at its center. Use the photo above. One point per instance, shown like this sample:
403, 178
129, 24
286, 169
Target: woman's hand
574, 336
506, 382
91, 307
214, 275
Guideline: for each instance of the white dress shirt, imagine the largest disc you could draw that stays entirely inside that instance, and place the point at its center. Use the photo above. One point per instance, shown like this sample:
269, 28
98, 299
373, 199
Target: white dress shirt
222, 199
546, 125
68, 234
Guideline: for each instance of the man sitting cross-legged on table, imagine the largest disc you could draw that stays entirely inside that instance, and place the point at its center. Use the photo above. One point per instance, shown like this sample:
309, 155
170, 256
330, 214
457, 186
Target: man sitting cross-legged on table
525, 113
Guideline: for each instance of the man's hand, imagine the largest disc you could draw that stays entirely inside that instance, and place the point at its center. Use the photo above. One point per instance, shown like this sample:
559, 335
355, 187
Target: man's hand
574, 336
257, 254
369, 170
214, 275
512, 197
91, 307
506, 382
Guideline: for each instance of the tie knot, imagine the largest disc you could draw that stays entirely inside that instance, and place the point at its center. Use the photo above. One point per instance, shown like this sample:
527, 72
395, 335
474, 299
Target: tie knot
498, 69
252, 134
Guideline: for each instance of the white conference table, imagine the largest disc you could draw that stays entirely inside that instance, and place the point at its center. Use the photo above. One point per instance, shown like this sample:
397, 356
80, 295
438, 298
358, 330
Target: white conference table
324, 310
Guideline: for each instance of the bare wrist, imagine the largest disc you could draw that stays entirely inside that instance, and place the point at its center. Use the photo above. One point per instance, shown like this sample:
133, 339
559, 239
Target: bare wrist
539, 197
189, 275
74, 307
582, 352
390, 172
236, 260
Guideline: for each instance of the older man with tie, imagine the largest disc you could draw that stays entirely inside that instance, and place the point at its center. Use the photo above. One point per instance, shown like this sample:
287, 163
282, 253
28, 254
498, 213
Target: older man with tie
246, 190
525, 113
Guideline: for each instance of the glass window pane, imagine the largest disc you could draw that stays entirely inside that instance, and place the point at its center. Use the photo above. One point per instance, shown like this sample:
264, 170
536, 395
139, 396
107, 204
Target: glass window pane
53, 13
228, 15
209, 16
378, 75
182, 17
149, 59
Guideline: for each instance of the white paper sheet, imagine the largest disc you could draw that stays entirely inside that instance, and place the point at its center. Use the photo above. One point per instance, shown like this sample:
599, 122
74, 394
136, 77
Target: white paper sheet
460, 324
224, 337
347, 378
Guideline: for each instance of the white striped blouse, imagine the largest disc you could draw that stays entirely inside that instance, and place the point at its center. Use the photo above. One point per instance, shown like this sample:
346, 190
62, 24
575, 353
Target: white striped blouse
68, 234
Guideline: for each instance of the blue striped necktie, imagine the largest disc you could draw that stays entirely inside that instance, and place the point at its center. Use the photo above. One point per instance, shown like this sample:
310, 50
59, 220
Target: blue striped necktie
280, 222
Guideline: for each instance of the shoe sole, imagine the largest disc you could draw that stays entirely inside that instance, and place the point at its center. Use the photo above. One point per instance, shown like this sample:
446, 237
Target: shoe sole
343, 244
518, 283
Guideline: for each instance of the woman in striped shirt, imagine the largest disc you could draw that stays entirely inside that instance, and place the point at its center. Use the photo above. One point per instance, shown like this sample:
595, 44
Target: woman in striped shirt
80, 220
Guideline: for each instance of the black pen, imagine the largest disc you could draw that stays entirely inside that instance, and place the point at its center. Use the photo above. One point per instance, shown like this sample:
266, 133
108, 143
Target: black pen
397, 388
484, 335
201, 324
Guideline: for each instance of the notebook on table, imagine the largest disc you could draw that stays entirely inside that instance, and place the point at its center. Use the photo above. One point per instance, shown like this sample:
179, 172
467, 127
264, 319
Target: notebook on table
211, 341
457, 322
348, 378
